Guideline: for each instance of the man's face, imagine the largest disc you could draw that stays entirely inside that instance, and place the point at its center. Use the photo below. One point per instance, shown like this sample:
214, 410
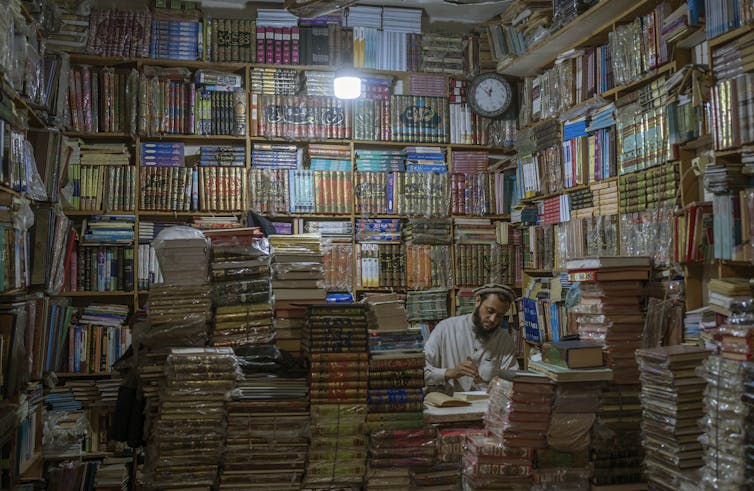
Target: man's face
491, 311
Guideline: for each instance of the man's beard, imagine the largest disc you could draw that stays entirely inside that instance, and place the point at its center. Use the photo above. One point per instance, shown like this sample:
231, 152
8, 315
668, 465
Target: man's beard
480, 332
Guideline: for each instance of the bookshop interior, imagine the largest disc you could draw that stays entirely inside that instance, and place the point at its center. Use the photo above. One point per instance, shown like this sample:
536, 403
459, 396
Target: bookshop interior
346, 245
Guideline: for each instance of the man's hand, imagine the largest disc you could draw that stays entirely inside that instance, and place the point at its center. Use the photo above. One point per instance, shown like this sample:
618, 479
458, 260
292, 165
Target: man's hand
465, 369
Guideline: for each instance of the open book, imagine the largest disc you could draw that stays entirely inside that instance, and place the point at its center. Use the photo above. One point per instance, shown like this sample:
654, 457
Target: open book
438, 399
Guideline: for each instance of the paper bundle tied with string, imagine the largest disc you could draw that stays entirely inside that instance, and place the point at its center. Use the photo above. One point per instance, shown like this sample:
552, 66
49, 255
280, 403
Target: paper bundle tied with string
183, 254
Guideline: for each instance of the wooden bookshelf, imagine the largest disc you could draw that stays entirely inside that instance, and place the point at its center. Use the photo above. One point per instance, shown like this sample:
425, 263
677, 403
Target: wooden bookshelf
576, 33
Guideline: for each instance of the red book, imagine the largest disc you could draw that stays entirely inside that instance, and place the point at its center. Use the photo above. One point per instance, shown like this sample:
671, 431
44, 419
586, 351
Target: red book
261, 36
269, 45
286, 54
278, 47
294, 46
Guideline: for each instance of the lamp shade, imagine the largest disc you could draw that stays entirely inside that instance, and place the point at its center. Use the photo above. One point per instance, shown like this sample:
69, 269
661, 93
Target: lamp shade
346, 84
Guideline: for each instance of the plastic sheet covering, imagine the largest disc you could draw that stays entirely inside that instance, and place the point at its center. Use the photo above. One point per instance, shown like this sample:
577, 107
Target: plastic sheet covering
560, 479
648, 233
450, 443
63, 432
570, 432
183, 254
186, 440
338, 265
269, 358
726, 423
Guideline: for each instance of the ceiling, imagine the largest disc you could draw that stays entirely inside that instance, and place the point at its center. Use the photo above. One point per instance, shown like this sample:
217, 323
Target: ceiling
464, 13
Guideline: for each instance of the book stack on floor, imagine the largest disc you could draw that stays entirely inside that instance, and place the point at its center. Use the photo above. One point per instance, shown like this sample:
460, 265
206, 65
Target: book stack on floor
179, 313
609, 309
296, 281
185, 446
616, 447
609, 313
427, 305
564, 464
177, 317
748, 399
395, 398
517, 421
724, 291
392, 454
671, 400
240, 271
335, 340
725, 424
268, 423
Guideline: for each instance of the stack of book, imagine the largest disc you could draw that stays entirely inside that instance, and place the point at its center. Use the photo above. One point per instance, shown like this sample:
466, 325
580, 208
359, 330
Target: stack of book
230, 40
76, 475
609, 309
338, 449
432, 128
378, 229
336, 343
429, 231
427, 305
333, 329
297, 276
731, 105
98, 338
725, 423
724, 292
617, 454
175, 37
275, 156
604, 198
748, 399
177, 316
275, 117
392, 454
71, 36
175, 456
103, 40
323, 156
381, 265
269, 190
428, 266
650, 189
379, 161
387, 313
372, 114
671, 401
240, 272
443, 53
275, 41
273, 81
569, 436
112, 473
337, 252
506, 455
268, 423
631, 114
696, 322
581, 203
318, 83
424, 159
99, 100
395, 403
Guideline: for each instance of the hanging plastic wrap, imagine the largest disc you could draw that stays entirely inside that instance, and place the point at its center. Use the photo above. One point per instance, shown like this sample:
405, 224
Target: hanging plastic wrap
648, 233
63, 433
337, 265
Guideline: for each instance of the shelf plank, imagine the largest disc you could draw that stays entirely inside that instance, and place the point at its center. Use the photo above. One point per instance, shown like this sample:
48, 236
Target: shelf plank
193, 138
98, 212
97, 294
98, 135
574, 34
636, 83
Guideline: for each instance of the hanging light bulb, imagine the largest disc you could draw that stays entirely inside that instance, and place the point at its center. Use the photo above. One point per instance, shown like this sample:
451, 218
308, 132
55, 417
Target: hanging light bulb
347, 84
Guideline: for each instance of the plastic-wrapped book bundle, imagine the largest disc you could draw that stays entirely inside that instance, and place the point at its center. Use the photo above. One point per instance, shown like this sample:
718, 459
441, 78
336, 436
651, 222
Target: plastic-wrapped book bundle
186, 443
671, 400
725, 424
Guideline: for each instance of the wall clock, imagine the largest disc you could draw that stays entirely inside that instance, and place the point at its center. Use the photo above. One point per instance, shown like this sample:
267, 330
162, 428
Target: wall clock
490, 94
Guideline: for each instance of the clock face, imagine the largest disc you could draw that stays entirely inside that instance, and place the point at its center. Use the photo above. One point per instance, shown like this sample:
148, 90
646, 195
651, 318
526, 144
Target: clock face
490, 95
